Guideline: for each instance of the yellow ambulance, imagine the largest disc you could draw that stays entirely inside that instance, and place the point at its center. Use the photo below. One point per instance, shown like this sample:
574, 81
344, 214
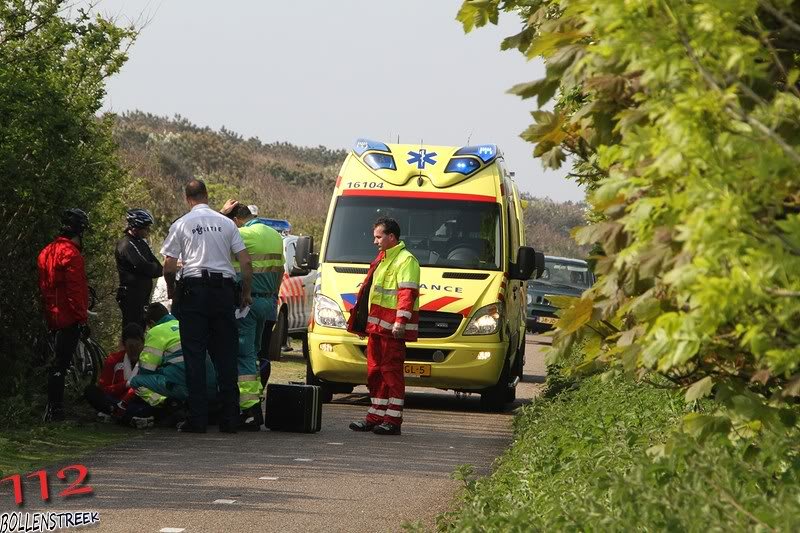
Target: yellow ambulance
460, 214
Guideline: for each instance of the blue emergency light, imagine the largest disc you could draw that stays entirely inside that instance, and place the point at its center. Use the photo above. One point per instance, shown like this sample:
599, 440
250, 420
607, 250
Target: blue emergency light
279, 225
463, 165
486, 152
380, 161
363, 145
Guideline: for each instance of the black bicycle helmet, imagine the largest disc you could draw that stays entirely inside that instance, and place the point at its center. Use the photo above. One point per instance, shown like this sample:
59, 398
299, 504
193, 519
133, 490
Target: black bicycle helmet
75, 221
139, 218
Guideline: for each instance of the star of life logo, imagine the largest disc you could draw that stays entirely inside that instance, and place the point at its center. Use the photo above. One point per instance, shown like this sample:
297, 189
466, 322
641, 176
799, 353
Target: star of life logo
48, 521
421, 158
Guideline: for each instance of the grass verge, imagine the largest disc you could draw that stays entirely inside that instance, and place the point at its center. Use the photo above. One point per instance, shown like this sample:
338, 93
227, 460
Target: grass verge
26, 444
579, 461
26, 449
291, 367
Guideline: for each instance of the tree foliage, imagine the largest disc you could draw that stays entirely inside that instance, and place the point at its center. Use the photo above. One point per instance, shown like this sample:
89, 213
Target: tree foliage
682, 118
54, 152
548, 226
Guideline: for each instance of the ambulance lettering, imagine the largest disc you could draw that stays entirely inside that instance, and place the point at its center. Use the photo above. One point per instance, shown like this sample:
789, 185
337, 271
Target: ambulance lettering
445, 288
433, 287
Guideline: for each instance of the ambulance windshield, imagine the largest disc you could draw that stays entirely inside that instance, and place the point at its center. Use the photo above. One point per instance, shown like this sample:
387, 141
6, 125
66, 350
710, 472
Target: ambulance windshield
441, 233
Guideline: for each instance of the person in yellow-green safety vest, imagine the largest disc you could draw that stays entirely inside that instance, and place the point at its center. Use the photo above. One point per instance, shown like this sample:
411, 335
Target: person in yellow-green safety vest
162, 373
265, 247
387, 311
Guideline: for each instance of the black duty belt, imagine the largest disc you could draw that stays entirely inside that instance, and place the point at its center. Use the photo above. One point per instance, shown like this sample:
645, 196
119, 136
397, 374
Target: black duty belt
211, 281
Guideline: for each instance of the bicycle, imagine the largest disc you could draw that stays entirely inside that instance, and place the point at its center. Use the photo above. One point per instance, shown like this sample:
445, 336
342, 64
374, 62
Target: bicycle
87, 359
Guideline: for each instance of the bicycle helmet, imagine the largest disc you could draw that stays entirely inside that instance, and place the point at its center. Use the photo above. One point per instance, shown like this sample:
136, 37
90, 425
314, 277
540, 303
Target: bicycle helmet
139, 218
74, 220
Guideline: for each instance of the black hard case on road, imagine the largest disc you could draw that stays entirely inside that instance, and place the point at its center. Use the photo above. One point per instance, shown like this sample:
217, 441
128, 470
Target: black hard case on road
293, 407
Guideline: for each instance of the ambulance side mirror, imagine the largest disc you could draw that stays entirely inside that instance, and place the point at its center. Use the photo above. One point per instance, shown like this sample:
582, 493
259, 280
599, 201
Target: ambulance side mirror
539, 261
525, 265
304, 256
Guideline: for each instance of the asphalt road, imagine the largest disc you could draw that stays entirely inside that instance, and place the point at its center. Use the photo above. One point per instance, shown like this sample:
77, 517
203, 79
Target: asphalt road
334, 480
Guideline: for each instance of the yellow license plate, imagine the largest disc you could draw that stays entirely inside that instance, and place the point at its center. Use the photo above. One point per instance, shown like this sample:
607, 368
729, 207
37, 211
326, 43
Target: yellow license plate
412, 369
547, 319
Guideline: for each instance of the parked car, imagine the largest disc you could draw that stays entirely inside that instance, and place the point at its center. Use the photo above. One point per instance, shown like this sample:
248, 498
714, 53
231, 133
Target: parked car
294, 301
562, 276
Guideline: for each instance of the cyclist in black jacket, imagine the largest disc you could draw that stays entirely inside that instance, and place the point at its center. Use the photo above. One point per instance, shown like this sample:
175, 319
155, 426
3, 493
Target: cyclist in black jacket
137, 267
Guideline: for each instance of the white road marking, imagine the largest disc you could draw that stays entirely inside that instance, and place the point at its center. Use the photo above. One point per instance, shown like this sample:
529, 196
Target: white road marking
172, 530
268, 478
303, 460
223, 501
336, 443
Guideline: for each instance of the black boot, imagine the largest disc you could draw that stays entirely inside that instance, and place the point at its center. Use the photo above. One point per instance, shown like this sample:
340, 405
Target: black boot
252, 419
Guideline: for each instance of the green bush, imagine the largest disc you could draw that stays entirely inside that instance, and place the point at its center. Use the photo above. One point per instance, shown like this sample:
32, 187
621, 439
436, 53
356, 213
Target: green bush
580, 462
681, 117
55, 153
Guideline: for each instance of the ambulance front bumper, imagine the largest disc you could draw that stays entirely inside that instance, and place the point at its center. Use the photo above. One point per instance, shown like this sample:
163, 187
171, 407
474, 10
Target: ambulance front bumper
459, 363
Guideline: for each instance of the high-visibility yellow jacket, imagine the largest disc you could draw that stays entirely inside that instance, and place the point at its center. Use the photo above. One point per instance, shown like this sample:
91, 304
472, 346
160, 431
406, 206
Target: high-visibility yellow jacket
394, 293
265, 246
162, 354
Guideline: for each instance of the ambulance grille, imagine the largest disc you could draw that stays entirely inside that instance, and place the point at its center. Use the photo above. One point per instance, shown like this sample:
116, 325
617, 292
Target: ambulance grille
425, 355
437, 325
465, 275
350, 270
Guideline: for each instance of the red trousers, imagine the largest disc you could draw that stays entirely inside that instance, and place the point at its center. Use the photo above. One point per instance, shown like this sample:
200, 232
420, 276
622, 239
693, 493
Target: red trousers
385, 379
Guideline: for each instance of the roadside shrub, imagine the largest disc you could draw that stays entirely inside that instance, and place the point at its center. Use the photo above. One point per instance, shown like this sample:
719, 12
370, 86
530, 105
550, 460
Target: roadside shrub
55, 153
580, 461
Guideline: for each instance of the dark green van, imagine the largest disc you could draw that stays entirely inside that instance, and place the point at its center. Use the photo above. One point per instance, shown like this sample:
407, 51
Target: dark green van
562, 276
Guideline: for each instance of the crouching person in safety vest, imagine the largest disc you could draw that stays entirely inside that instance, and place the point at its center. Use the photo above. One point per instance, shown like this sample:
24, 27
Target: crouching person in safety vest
265, 246
387, 310
112, 386
162, 374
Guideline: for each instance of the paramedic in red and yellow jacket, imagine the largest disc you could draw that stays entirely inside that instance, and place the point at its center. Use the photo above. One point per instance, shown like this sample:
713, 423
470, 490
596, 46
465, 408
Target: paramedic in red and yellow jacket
391, 294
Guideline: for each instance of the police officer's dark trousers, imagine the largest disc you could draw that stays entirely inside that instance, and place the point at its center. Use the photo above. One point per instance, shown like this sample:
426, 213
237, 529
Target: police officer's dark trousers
207, 322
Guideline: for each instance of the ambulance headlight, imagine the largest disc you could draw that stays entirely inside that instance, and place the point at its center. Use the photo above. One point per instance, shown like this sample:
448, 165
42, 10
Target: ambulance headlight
328, 313
485, 321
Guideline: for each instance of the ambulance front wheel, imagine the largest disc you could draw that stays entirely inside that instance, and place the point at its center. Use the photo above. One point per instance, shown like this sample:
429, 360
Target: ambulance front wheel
325, 389
497, 396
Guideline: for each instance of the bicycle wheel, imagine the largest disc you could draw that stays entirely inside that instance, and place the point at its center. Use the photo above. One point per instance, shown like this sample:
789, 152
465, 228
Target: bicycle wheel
96, 356
87, 361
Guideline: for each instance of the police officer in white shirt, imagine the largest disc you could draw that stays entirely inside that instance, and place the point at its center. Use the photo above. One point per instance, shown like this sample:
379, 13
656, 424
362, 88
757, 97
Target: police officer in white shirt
204, 303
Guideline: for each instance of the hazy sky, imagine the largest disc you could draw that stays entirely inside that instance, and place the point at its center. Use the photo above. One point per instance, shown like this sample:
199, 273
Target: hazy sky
326, 73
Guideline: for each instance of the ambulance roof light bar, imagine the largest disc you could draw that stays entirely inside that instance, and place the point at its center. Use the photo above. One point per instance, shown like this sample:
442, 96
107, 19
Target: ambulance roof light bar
363, 145
486, 152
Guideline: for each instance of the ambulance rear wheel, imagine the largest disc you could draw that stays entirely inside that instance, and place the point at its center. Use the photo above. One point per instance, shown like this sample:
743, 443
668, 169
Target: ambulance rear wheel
325, 389
518, 371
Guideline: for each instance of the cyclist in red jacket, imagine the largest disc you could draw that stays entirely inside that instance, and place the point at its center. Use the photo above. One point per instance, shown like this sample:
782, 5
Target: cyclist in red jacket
65, 301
